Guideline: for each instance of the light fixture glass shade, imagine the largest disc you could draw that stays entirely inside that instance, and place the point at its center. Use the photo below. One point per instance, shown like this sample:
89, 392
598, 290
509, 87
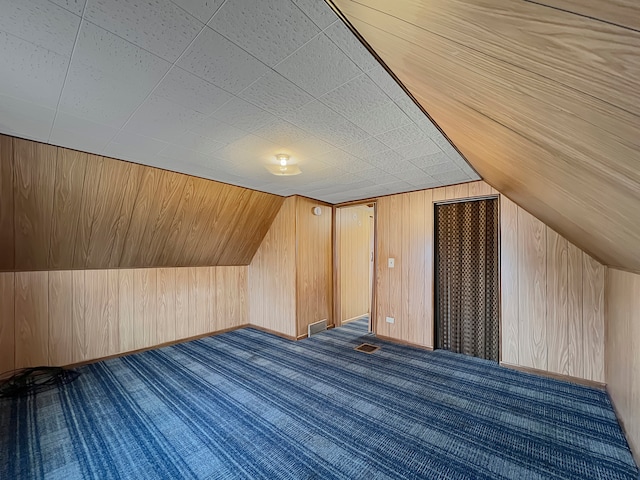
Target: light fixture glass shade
284, 170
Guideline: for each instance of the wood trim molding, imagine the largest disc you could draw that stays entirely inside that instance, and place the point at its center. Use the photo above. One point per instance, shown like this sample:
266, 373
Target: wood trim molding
556, 376
273, 332
155, 347
402, 342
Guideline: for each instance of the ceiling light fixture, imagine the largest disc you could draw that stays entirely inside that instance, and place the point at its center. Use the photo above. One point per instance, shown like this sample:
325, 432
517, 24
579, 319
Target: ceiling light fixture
285, 167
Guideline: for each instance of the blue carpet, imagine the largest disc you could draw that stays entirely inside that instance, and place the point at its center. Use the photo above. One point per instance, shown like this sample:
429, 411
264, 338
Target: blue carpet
247, 404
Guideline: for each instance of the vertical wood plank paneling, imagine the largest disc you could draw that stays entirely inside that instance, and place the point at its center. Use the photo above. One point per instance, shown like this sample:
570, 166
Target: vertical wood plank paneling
80, 344
35, 167
408, 331
272, 275
126, 310
199, 300
182, 302
161, 215
120, 226
575, 347
6, 204
532, 266
166, 305
622, 353
480, 189
439, 194
61, 318
428, 278
114, 199
223, 284
557, 303
101, 313
240, 307
88, 210
454, 192
7, 322
31, 319
214, 322
314, 272
416, 264
145, 200
510, 332
395, 273
382, 270
67, 204
593, 318
144, 287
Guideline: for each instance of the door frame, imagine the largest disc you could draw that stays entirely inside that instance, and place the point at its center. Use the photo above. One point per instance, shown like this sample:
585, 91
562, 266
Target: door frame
337, 320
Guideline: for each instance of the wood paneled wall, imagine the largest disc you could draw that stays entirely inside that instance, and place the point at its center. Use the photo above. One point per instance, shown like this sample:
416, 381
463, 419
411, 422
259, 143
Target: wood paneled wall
552, 293
542, 101
552, 299
622, 355
355, 234
290, 277
314, 264
63, 210
405, 233
272, 275
63, 317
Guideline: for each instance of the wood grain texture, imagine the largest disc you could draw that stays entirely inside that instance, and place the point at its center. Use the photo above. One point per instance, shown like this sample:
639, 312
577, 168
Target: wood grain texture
67, 203
314, 264
622, 357
101, 314
455, 192
6, 204
74, 316
31, 319
166, 305
383, 218
557, 303
510, 329
419, 317
60, 318
480, 189
593, 318
7, 322
532, 281
126, 310
625, 13
34, 177
182, 302
272, 275
61, 209
354, 236
575, 345
564, 131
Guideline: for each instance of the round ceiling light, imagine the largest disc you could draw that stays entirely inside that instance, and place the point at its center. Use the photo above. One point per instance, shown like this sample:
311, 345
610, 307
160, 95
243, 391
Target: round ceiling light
285, 166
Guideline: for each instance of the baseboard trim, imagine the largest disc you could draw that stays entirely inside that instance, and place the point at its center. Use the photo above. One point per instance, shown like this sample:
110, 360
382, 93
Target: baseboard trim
353, 319
402, 342
556, 376
155, 347
636, 454
273, 332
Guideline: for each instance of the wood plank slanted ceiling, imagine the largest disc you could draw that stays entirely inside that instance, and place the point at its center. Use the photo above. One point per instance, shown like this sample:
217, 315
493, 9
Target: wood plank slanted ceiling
66, 210
543, 99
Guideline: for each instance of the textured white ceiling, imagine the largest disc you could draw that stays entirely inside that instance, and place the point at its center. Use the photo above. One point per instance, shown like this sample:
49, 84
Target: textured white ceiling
216, 88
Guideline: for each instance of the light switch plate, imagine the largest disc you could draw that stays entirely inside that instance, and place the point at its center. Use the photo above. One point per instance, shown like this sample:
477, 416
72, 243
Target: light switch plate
392, 262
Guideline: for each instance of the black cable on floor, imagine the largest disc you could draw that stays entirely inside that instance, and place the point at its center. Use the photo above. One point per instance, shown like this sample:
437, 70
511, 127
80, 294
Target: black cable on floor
29, 381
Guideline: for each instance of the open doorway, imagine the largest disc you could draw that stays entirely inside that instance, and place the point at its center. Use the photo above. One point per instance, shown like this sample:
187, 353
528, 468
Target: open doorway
355, 258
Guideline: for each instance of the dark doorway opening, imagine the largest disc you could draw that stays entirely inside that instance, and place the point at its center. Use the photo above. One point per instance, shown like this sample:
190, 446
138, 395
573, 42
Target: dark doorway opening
467, 284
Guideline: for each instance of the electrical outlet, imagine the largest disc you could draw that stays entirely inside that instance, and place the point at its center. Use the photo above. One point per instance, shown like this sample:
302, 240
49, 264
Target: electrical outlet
392, 262
391, 320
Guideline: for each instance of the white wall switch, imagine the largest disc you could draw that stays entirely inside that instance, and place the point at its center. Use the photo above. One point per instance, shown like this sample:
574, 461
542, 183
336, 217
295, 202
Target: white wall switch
391, 320
392, 262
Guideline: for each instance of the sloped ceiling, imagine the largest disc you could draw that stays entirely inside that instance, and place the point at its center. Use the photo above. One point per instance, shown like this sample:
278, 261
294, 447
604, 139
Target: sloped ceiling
216, 89
66, 210
543, 98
